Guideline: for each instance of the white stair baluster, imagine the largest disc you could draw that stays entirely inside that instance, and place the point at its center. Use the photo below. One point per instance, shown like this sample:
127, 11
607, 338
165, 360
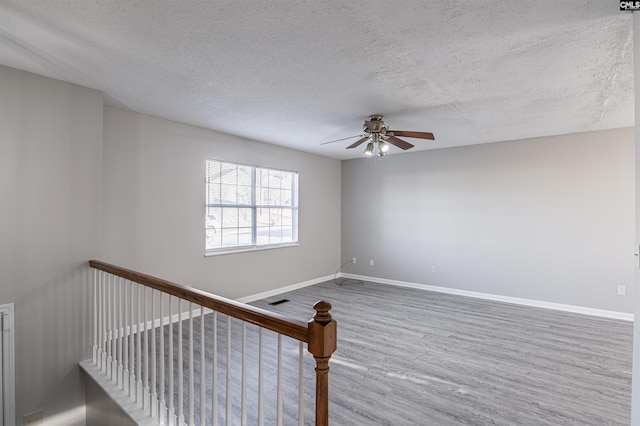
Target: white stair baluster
132, 343
228, 385
243, 420
180, 367
161, 403
191, 386
145, 336
107, 343
300, 384
95, 317
120, 335
139, 348
203, 403
260, 381
214, 372
114, 328
126, 333
154, 390
279, 385
172, 410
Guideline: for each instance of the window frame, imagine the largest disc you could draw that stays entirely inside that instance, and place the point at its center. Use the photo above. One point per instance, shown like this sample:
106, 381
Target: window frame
254, 207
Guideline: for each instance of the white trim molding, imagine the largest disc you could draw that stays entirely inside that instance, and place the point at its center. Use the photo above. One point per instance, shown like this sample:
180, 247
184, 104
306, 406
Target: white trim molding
8, 384
515, 300
275, 292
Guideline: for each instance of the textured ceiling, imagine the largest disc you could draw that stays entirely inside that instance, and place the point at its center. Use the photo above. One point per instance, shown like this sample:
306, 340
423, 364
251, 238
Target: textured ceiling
299, 73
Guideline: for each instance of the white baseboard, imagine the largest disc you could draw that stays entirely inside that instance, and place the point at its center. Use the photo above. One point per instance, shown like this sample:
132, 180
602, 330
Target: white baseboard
275, 292
516, 300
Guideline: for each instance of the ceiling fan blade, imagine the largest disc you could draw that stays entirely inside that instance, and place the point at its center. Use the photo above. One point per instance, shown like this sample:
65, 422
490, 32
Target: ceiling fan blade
408, 134
398, 142
358, 142
343, 139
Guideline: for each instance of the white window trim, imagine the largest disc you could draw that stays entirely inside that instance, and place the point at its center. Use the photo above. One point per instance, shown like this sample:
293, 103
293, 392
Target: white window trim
254, 207
244, 249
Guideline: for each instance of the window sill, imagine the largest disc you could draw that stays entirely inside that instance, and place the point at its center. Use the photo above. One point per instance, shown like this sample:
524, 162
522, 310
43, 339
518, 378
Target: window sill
247, 249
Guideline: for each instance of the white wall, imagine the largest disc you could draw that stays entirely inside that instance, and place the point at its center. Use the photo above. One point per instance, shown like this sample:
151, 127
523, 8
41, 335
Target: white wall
549, 219
154, 207
50, 194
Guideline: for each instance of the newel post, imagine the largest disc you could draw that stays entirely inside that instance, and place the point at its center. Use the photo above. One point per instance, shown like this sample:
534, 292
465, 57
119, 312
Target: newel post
322, 343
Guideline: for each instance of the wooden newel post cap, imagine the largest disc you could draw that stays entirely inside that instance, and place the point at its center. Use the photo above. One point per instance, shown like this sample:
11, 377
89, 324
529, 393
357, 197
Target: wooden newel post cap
322, 312
322, 331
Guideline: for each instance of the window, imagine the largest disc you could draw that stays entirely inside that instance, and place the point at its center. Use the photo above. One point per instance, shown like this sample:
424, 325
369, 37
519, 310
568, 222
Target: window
249, 207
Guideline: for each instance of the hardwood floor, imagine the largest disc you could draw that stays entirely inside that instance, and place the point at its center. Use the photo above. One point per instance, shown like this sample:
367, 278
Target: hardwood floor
412, 357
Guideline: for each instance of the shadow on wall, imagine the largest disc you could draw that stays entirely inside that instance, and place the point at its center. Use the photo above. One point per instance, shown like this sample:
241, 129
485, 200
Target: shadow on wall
52, 336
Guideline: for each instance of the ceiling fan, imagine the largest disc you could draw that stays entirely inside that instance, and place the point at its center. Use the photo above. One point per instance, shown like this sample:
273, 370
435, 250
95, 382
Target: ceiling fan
380, 137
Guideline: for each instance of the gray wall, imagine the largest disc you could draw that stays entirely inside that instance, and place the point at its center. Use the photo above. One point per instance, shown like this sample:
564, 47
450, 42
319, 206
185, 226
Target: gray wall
154, 207
101, 409
549, 219
50, 194
635, 390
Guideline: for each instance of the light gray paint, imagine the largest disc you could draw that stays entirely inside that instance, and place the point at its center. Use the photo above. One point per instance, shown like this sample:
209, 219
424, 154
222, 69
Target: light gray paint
50, 196
635, 391
548, 219
154, 206
101, 409
300, 73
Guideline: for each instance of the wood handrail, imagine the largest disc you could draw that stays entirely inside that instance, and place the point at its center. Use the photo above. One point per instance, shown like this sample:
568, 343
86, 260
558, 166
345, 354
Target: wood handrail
272, 321
319, 333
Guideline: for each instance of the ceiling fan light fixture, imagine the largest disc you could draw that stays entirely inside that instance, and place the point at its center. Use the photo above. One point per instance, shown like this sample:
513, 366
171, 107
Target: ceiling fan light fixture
369, 150
379, 138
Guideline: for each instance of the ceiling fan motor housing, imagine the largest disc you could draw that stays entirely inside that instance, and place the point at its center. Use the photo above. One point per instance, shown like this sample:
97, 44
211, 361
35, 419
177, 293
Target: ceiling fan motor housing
375, 124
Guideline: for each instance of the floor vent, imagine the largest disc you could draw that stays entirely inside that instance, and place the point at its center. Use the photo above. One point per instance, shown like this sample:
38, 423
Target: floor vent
279, 302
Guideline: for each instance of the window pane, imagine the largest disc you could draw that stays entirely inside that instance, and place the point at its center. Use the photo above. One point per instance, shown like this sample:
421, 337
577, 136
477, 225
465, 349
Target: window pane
229, 194
286, 217
245, 206
275, 235
229, 217
244, 175
228, 173
262, 235
275, 179
212, 228
287, 180
245, 218
285, 197
274, 197
229, 237
244, 195
244, 236
262, 217
213, 171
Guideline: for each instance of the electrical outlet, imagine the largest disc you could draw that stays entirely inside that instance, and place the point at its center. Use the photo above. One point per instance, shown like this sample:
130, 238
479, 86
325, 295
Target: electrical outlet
370, 262
33, 419
353, 260
433, 268
621, 290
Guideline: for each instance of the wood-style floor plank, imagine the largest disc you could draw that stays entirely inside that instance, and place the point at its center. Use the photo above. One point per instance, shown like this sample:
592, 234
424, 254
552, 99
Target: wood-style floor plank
413, 357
